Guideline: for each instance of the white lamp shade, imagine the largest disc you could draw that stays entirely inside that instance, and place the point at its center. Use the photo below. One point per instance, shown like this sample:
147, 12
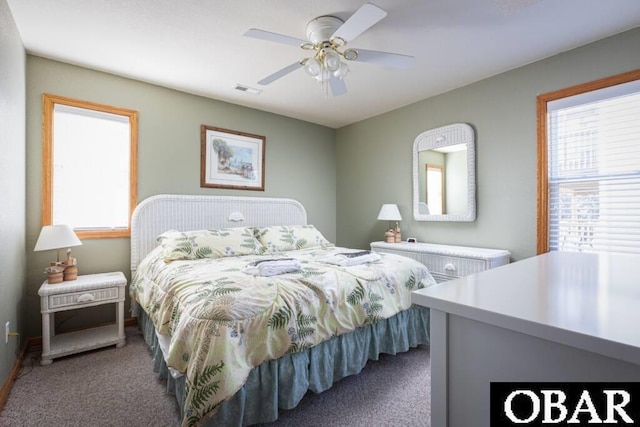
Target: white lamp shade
56, 237
389, 212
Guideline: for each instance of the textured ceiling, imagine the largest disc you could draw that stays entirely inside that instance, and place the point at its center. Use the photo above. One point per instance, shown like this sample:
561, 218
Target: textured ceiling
198, 46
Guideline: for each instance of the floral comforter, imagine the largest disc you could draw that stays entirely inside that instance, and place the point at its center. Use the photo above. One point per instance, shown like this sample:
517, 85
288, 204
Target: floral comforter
224, 322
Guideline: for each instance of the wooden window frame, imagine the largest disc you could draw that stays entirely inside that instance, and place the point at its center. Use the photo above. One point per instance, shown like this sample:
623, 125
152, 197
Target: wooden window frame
48, 103
542, 168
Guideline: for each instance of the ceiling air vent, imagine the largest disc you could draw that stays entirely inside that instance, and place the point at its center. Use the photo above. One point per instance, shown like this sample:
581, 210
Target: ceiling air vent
248, 89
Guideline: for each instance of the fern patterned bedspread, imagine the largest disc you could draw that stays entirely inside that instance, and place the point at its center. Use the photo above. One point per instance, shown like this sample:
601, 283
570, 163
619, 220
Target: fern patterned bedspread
224, 322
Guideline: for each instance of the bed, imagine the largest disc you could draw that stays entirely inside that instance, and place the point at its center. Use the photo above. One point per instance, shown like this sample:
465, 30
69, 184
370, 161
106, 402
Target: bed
246, 307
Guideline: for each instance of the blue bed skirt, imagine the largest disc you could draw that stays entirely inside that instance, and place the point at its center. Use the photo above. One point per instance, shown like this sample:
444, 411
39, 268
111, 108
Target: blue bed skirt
282, 383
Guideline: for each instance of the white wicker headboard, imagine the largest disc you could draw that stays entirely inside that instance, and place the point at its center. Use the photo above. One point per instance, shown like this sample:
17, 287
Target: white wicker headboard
163, 212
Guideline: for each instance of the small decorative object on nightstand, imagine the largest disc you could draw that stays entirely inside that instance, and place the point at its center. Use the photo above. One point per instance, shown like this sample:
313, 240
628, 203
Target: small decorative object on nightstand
70, 267
55, 274
397, 235
87, 291
57, 237
389, 236
390, 212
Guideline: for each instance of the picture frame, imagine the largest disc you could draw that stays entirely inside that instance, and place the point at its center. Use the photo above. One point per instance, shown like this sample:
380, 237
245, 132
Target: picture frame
231, 159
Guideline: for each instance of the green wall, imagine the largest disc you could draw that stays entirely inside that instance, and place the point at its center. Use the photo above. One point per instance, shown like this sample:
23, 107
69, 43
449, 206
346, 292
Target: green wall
374, 155
12, 186
300, 163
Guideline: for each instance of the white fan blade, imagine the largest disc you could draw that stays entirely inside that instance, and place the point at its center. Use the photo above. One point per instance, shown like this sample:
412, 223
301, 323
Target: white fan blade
364, 18
393, 60
274, 37
338, 86
281, 73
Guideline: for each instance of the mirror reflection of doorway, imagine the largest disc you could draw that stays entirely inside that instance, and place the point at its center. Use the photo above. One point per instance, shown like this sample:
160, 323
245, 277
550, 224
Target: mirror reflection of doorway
435, 188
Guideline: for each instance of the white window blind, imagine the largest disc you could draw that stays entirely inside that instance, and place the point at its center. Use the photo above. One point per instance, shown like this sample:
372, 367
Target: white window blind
594, 171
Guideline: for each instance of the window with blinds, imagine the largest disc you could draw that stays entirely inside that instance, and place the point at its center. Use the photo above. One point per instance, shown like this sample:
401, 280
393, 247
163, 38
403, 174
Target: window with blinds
593, 170
89, 166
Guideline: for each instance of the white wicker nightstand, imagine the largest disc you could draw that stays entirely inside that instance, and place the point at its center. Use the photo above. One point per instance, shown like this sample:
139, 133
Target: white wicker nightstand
87, 291
447, 262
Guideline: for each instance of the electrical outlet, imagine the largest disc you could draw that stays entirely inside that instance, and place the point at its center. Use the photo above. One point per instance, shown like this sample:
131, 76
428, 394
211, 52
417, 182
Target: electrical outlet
7, 328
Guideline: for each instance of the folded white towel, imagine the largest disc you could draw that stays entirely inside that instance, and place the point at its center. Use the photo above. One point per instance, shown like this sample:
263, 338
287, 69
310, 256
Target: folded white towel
273, 267
347, 259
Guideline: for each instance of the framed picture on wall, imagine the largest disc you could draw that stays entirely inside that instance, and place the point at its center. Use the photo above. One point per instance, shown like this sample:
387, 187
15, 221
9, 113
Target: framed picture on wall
231, 159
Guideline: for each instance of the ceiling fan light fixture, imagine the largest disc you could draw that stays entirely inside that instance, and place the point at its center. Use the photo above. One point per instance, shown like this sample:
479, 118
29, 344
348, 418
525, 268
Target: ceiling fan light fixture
331, 60
342, 71
312, 66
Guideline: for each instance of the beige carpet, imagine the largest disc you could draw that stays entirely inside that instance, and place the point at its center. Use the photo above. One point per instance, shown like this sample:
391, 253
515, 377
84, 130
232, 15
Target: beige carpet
116, 387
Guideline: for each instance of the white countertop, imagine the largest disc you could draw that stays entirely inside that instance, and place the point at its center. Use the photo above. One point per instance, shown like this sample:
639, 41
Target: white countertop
586, 301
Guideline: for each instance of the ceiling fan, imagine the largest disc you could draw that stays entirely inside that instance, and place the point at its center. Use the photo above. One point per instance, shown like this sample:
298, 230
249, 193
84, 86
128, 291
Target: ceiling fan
328, 37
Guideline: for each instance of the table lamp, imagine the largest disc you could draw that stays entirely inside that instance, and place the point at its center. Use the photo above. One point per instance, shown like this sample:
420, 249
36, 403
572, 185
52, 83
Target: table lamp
57, 237
390, 212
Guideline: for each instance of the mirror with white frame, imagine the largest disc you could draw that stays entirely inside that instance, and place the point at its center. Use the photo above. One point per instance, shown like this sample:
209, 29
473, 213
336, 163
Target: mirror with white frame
444, 174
